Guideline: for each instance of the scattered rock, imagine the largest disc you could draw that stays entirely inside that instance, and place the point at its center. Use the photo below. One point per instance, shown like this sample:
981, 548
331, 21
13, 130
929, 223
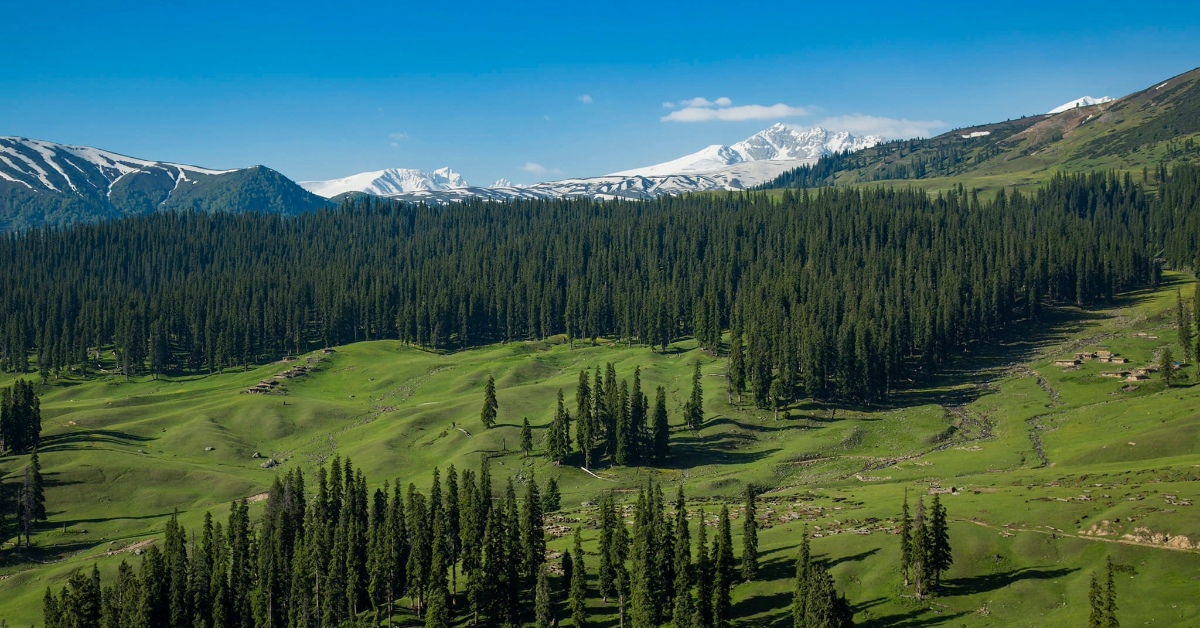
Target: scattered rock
209, 448
270, 463
256, 455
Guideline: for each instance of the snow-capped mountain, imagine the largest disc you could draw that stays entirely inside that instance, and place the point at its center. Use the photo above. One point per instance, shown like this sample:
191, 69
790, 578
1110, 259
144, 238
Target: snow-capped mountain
1086, 101
757, 159
47, 166
779, 142
47, 183
390, 182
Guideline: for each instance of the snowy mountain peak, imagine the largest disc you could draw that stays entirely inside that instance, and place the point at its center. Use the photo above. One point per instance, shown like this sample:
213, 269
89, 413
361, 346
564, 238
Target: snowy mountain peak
1086, 101
388, 182
502, 183
779, 142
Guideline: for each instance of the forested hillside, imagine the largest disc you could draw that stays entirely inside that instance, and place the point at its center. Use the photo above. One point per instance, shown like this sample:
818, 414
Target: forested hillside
1146, 130
838, 293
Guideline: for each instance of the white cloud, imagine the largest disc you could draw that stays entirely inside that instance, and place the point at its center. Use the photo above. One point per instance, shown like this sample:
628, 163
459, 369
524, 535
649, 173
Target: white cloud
398, 136
539, 169
586, 99
694, 113
890, 128
668, 105
723, 102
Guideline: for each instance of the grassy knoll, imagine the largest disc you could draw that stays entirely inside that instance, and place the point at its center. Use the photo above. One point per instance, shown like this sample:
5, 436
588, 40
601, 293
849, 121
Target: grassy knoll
1052, 469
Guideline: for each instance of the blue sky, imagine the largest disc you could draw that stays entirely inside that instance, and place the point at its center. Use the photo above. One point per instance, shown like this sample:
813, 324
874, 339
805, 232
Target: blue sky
499, 91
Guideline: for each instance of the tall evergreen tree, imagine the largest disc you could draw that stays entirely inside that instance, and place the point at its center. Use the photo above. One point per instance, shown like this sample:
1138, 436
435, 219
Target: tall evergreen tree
1110, 596
723, 571
490, 406
694, 409
940, 556
661, 433
526, 437
543, 604
577, 601
704, 576
750, 536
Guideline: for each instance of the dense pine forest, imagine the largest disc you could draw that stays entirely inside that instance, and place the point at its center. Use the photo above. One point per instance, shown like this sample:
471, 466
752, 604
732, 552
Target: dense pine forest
829, 293
343, 556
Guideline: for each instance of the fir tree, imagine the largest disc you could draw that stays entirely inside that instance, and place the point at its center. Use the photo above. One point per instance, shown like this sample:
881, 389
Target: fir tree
750, 537
704, 576
1166, 366
661, 433
684, 611
1110, 596
695, 405
526, 437
543, 606
533, 536
488, 414
722, 571
906, 540
577, 601
940, 556
737, 366
1095, 604
551, 499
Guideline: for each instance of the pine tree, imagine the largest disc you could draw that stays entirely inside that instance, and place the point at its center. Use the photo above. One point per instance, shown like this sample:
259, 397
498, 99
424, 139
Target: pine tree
577, 601
695, 405
606, 575
543, 606
1110, 596
533, 536
551, 499
661, 434
921, 551
559, 445
488, 414
737, 366
685, 605
940, 556
437, 613
906, 540
1183, 323
526, 437
800, 589
704, 576
723, 571
1096, 604
585, 425
750, 537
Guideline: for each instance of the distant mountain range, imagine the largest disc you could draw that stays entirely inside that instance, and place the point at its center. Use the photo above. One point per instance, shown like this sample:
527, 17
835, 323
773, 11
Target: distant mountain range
43, 183
738, 166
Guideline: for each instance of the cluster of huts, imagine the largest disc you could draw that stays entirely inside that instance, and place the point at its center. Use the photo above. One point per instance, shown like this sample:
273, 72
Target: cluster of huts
275, 384
1138, 374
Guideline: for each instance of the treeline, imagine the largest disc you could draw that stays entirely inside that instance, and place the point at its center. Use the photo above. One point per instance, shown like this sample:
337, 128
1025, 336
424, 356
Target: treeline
345, 556
20, 418
833, 293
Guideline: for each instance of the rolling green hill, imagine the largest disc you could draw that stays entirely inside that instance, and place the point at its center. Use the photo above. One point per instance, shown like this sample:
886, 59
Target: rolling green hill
1047, 470
1154, 127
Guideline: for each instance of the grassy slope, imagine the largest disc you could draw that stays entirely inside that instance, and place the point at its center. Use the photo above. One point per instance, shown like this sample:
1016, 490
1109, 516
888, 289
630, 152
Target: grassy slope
120, 457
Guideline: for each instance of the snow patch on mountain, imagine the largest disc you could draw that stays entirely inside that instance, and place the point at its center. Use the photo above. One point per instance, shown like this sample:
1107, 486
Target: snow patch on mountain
780, 142
47, 166
502, 183
1086, 101
389, 182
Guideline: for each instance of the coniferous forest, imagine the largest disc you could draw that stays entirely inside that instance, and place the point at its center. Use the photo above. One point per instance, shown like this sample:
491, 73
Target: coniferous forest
830, 294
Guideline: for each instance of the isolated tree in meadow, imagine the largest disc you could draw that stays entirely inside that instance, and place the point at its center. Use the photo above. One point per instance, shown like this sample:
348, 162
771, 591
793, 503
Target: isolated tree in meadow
551, 499
695, 406
36, 492
906, 539
488, 414
1166, 366
526, 437
750, 537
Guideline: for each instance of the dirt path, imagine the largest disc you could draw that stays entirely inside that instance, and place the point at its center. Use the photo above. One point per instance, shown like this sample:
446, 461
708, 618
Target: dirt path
1084, 537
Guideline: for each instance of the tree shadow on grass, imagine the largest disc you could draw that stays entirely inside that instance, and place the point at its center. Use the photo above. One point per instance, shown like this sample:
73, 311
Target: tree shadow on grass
991, 582
74, 440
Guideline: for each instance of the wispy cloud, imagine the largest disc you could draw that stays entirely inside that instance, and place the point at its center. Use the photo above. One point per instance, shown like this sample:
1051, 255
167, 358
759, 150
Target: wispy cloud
585, 99
699, 101
890, 128
734, 114
539, 169
396, 138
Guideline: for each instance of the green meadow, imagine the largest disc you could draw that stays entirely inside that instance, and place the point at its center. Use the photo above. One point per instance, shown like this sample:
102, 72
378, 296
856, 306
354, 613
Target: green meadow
1045, 470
